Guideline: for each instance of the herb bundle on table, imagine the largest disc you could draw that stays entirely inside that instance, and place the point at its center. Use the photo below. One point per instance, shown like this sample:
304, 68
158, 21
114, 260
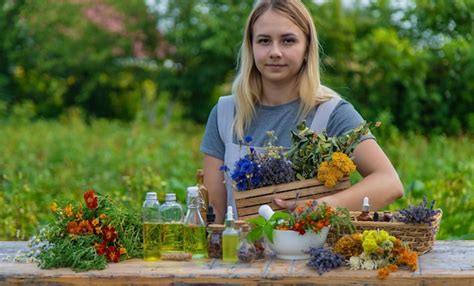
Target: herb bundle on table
89, 237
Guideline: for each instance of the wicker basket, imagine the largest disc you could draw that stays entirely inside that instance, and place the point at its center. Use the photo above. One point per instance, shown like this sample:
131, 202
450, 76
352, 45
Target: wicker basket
249, 201
420, 237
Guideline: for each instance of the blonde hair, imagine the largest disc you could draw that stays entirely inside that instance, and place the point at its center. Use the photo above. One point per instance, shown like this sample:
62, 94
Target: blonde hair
247, 86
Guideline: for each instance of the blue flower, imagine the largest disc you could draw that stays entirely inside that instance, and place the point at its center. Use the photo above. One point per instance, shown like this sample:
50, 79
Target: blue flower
248, 138
224, 168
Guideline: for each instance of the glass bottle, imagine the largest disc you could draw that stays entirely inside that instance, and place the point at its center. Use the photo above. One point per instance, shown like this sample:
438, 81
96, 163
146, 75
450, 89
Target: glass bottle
364, 216
214, 240
230, 239
246, 251
203, 193
195, 240
172, 230
151, 227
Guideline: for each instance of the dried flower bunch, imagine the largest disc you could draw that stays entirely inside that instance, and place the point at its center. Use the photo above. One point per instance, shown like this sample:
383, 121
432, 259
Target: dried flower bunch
327, 158
314, 216
85, 238
418, 214
257, 170
311, 156
323, 259
376, 249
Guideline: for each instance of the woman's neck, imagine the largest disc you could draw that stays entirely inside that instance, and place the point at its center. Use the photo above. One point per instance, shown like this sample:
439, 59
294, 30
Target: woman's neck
278, 94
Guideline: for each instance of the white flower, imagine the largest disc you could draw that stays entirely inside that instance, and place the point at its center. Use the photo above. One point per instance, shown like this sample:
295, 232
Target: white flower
355, 262
369, 264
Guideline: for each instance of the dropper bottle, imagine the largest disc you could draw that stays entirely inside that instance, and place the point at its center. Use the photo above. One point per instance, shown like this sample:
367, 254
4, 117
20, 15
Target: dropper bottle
364, 216
230, 239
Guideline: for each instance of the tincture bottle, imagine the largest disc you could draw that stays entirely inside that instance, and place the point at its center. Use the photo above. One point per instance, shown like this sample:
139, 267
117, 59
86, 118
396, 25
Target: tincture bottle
195, 239
364, 216
230, 239
151, 227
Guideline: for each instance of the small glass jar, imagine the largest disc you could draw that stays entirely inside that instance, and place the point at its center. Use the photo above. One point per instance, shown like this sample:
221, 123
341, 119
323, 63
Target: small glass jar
260, 248
246, 250
214, 240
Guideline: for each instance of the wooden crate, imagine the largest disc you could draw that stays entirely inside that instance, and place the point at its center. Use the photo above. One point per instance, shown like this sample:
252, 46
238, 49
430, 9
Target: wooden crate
249, 201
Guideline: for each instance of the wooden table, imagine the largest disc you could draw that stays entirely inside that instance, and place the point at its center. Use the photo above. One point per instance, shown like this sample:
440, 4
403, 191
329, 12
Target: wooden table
449, 263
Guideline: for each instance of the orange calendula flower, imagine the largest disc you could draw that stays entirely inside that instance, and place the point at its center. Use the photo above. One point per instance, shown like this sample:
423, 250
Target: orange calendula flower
53, 207
95, 222
91, 199
98, 230
73, 227
68, 211
79, 215
86, 227
123, 250
102, 216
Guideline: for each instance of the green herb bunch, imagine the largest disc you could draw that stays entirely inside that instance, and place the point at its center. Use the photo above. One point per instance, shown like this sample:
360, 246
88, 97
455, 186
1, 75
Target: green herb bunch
310, 149
88, 237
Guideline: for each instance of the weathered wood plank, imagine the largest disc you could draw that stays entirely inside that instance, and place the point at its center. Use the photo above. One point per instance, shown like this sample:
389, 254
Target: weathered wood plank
449, 263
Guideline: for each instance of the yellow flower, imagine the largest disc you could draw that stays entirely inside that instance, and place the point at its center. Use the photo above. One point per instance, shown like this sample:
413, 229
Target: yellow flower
68, 210
53, 207
343, 162
95, 222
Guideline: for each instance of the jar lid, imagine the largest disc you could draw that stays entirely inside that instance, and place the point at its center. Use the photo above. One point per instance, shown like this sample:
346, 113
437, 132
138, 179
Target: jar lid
245, 228
239, 223
216, 227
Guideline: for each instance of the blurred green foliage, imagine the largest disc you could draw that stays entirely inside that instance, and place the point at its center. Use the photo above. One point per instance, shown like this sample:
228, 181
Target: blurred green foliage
409, 62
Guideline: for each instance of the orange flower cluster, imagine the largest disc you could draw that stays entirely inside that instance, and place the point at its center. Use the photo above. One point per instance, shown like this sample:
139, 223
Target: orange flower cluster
349, 245
87, 222
384, 272
312, 216
330, 172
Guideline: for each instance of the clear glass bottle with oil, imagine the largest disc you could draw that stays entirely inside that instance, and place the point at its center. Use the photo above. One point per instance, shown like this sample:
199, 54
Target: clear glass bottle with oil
172, 227
195, 236
230, 239
151, 227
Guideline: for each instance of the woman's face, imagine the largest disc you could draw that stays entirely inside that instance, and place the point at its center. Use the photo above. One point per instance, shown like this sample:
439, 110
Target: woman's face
279, 47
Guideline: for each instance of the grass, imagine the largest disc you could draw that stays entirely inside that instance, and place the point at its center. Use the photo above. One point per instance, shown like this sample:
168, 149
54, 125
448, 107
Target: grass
47, 160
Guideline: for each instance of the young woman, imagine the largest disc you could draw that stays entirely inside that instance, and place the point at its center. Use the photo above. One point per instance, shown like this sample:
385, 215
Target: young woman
277, 86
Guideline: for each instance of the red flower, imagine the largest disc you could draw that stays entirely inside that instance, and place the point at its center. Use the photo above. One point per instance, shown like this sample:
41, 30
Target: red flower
73, 227
91, 199
113, 254
109, 233
101, 248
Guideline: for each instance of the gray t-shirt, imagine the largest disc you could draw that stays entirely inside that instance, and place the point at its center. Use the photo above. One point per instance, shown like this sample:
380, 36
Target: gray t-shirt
281, 119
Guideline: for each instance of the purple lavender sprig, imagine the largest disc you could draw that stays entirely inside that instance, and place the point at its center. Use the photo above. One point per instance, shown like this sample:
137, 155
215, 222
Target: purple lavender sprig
323, 259
418, 214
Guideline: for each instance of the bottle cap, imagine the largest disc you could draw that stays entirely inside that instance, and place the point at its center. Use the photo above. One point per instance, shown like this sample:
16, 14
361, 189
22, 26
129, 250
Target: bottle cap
151, 196
365, 205
170, 197
265, 211
230, 213
193, 191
